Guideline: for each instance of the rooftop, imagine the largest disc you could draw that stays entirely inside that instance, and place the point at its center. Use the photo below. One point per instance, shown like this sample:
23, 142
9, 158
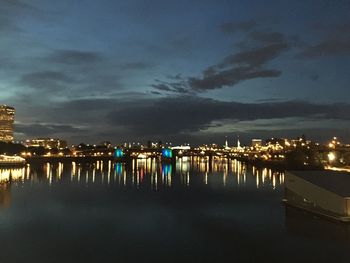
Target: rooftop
333, 181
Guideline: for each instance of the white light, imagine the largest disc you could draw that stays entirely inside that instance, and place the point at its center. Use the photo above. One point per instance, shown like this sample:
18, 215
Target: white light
331, 157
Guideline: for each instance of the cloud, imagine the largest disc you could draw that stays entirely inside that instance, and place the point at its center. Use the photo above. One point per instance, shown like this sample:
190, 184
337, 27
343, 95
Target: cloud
162, 87
186, 114
233, 27
74, 57
37, 129
83, 73
267, 37
88, 105
174, 118
230, 77
331, 47
11, 10
256, 57
46, 80
335, 43
177, 86
249, 63
244, 65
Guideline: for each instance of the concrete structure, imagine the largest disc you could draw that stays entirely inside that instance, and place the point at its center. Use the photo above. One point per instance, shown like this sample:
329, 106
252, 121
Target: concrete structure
326, 193
7, 118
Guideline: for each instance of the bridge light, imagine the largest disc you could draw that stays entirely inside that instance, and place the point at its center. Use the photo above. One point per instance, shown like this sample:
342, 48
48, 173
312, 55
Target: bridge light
118, 153
167, 153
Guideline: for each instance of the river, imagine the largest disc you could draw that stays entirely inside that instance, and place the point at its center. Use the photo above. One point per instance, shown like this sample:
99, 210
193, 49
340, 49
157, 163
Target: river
148, 212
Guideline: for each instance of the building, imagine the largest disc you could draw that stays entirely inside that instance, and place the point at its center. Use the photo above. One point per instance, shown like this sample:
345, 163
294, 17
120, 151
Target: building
48, 143
325, 193
256, 143
7, 118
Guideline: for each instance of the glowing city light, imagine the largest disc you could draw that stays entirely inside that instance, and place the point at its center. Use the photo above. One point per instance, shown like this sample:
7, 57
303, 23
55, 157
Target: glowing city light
167, 153
331, 157
118, 153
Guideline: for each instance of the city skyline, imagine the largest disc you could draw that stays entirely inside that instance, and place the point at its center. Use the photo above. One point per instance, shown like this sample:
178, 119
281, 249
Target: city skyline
107, 71
7, 130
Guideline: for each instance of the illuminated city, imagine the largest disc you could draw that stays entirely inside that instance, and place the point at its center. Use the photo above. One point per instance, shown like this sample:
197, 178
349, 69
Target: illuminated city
174, 131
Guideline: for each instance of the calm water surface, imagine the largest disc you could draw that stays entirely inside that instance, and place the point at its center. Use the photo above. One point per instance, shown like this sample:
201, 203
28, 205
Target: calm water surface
149, 212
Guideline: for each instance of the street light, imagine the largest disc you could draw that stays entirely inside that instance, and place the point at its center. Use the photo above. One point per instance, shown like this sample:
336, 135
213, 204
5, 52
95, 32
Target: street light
331, 157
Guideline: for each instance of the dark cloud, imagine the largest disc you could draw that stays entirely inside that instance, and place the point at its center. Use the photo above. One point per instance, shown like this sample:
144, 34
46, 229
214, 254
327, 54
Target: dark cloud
74, 57
244, 65
75, 53
8, 8
12, 11
232, 27
88, 105
331, 47
178, 115
256, 57
170, 118
37, 129
249, 63
175, 77
338, 28
82, 73
267, 37
16, 5
335, 43
45, 79
179, 85
162, 87
230, 77
268, 100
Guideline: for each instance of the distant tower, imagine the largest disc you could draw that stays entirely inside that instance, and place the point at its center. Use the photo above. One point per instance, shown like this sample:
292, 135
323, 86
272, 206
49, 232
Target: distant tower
7, 118
238, 143
226, 143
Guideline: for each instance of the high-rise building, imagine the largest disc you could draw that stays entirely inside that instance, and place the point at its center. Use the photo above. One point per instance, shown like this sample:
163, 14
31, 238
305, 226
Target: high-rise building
7, 118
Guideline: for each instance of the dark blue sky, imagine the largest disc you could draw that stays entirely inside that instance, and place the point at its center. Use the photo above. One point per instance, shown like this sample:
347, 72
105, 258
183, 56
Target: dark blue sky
176, 70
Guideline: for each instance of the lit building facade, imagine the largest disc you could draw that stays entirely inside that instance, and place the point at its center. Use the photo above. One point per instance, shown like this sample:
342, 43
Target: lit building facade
257, 143
7, 118
47, 143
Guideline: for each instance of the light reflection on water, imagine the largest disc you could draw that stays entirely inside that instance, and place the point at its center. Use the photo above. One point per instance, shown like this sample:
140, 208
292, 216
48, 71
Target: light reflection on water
191, 211
150, 172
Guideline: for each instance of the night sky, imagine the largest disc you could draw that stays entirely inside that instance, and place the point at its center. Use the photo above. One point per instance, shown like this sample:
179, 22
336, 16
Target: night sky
181, 71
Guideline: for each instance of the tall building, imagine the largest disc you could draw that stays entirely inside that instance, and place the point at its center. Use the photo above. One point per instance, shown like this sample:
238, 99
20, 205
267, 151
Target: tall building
7, 118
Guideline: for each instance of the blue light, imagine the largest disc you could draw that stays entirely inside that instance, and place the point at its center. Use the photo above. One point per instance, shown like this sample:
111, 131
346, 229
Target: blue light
167, 153
167, 169
119, 169
118, 153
